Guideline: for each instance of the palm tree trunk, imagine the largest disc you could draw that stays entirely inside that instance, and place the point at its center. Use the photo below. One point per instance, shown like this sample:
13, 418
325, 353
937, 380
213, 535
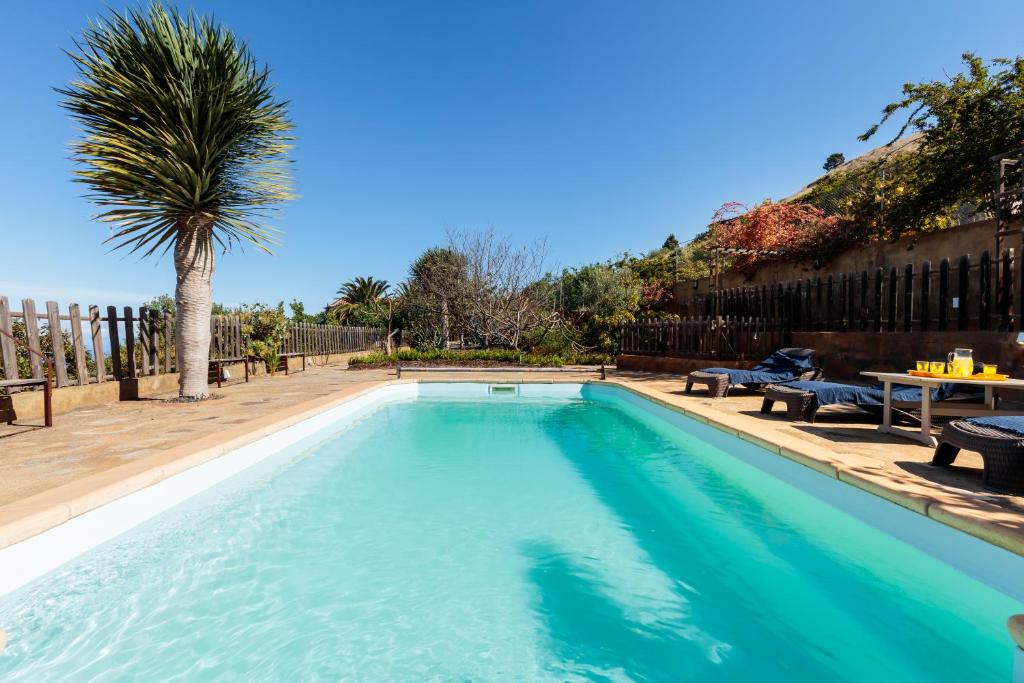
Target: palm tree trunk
193, 299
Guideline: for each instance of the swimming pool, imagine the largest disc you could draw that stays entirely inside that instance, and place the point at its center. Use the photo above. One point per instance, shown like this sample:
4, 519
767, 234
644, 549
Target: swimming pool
537, 532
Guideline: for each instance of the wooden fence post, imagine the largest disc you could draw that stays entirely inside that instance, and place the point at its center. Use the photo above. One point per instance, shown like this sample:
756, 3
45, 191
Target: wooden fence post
843, 294
8, 352
908, 297
963, 291
796, 305
890, 325
35, 363
53, 328
144, 340
223, 334
816, 313
787, 302
828, 306
809, 310
943, 293
129, 341
96, 328
115, 343
851, 285
214, 344
985, 292
81, 368
863, 300
1005, 296
877, 303
169, 347
154, 341
926, 285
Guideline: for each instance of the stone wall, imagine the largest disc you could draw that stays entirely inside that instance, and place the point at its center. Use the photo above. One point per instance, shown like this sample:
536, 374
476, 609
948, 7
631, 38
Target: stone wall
28, 405
673, 364
973, 239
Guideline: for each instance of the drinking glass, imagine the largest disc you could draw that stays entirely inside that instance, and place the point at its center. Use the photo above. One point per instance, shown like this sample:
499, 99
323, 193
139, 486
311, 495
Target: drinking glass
937, 367
922, 366
988, 369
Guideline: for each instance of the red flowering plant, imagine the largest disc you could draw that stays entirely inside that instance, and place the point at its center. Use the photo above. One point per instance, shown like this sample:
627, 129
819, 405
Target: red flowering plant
794, 230
657, 292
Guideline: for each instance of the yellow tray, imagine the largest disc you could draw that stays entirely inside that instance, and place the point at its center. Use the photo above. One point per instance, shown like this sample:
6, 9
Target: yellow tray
978, 377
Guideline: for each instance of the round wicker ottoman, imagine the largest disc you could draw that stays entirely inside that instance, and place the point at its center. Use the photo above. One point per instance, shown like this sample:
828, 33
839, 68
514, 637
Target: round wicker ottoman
717, 384
1002, 453
800, 404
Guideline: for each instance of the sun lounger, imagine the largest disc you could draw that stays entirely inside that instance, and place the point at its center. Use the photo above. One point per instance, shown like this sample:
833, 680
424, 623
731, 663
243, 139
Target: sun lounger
999, 440
782, 366
803, 398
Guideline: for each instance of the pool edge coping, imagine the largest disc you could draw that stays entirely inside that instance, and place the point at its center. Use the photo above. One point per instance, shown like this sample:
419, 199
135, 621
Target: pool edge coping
28, 517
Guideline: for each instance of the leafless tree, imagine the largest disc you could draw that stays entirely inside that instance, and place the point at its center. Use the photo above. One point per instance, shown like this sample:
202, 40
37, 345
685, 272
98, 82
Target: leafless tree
505, 298
389, 307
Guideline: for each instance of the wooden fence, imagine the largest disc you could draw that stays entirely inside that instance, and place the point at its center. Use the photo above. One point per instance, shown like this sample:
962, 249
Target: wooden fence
106, 344
739, 338
962, 293
227, 341
958, 294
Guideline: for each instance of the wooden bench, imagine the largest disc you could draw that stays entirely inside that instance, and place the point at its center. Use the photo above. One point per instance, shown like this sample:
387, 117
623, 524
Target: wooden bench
283, 362
7, 385
216, 372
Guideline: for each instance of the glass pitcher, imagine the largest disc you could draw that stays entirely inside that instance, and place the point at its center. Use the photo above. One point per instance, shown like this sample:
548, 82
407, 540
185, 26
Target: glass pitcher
961, 362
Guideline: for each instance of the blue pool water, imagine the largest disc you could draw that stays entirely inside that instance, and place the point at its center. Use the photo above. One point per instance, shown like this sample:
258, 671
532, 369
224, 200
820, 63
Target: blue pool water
507, 539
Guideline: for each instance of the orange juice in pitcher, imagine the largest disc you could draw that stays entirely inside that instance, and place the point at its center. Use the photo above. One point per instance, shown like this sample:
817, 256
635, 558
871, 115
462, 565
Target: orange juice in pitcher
961, 362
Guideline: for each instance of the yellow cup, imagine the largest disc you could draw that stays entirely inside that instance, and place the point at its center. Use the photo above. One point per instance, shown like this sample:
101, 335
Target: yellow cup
988, 369
937, 367
922, 366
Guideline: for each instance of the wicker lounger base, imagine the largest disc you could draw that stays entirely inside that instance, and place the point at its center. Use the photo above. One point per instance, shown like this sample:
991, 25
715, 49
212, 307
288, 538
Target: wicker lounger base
800, 404
1002, 453
717, 384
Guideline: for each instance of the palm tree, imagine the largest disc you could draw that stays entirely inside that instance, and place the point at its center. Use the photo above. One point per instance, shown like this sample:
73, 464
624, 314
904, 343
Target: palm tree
363, 290
183, 146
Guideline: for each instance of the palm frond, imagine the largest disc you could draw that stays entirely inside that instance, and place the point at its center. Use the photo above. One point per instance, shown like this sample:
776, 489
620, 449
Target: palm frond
178, 120
363, 290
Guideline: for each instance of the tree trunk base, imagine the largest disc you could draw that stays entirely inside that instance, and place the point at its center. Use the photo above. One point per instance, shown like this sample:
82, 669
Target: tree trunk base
193, 399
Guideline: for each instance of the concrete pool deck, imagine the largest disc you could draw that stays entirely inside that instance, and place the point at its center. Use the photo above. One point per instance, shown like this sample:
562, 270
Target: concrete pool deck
95, 455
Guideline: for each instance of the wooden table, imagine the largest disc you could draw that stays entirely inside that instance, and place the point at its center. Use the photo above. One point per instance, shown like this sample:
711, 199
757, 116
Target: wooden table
954, 408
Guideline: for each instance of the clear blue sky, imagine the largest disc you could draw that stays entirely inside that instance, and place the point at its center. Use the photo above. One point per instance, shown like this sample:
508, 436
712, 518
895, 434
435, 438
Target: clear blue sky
602, 126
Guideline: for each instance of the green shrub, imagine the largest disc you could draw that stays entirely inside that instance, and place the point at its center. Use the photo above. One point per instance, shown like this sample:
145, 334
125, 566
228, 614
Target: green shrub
264, 328
491, 355
267, 352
